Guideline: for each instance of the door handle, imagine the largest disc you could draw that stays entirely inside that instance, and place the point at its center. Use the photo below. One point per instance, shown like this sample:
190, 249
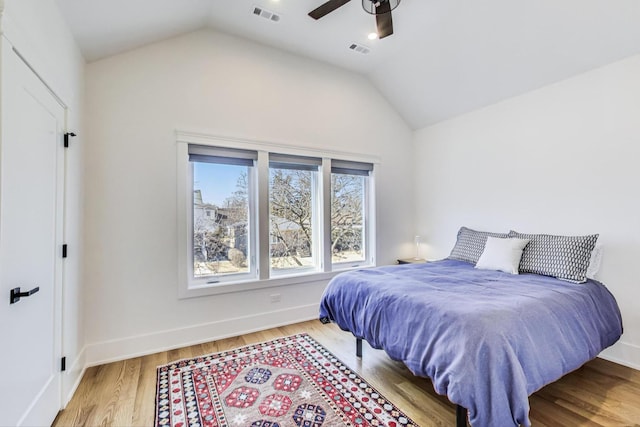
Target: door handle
16, 294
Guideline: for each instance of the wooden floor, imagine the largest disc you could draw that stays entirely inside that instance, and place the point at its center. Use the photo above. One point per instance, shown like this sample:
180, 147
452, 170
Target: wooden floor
600, 393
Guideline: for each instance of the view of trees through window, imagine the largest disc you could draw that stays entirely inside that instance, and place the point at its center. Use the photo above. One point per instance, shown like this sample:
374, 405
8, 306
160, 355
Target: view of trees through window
347, 226
291, 218
221, 218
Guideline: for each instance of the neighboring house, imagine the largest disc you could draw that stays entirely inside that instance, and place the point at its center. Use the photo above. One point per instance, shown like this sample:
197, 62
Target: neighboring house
288, 238
237, 236
206, 220
206, 217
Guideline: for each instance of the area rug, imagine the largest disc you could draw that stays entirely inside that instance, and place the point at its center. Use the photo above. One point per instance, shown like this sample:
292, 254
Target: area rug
291, 381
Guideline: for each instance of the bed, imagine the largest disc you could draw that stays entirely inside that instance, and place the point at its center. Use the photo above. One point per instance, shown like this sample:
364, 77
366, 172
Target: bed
486, 339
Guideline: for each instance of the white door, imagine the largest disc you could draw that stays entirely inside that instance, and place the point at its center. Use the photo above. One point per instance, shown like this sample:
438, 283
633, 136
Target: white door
31, 183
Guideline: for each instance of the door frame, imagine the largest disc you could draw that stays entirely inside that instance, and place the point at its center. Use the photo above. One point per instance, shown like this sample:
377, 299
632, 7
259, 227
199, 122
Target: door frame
11, 60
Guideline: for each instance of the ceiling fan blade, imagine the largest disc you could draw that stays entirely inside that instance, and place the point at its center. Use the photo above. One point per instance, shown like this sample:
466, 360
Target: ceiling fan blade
383, 19
326, 8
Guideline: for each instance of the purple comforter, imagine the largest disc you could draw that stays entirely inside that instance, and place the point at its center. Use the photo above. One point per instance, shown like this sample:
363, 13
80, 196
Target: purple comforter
487, 339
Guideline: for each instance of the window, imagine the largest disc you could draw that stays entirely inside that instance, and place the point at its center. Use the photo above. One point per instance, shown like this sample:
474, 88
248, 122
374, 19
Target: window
221, 215
293, 213
349, 204
253, 216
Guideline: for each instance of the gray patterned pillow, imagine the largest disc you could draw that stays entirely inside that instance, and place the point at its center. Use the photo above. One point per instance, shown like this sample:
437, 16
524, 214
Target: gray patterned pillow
470, 244
564, 257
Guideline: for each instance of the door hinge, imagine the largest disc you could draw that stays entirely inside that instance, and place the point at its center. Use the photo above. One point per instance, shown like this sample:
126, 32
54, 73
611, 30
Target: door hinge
63, 364
66, 138
64, 250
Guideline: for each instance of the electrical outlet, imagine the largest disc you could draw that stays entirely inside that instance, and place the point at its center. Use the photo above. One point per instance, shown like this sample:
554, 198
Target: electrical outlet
274, 298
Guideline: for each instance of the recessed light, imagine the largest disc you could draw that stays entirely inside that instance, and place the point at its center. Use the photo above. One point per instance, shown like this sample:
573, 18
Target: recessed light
372, 36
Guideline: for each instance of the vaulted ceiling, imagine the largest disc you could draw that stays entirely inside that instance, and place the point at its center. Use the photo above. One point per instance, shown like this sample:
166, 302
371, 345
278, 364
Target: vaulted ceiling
445, 58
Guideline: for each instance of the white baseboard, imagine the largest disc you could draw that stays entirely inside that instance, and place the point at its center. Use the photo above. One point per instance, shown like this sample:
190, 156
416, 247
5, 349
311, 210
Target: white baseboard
140, 345
73, 376
624, 354
44, 407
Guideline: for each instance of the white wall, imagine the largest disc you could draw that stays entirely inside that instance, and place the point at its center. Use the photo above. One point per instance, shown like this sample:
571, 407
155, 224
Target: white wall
38, 31
208, 81
562, 159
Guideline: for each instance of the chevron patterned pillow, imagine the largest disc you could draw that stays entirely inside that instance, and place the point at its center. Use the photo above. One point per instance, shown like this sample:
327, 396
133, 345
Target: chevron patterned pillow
470, 244
564, 257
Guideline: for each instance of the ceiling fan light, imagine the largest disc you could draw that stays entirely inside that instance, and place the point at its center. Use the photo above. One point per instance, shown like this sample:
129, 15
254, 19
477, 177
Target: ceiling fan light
369, 6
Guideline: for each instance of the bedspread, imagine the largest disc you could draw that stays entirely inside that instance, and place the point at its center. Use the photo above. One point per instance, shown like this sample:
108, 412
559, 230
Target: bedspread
486, 339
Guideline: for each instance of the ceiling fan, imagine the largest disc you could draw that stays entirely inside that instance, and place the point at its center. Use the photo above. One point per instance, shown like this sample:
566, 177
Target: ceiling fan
380, 8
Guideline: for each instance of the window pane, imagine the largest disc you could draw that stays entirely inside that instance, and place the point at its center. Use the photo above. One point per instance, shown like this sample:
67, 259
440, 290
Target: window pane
291, 219
220, 219
347, 218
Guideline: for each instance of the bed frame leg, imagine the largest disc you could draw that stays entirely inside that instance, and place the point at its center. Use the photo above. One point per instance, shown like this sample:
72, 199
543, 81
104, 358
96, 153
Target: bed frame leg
461, 416
359, 347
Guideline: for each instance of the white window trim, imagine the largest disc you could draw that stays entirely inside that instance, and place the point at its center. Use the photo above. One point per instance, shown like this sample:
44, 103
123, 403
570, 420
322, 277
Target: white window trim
187, 288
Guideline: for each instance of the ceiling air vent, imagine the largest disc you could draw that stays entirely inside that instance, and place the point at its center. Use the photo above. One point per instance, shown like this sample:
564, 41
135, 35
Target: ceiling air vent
359, 48
266, 14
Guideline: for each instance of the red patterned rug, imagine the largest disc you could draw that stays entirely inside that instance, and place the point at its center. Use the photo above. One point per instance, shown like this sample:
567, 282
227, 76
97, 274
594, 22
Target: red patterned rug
291, 381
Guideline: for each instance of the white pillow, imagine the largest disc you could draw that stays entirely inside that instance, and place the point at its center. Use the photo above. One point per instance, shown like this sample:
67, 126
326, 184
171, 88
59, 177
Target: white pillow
594, 263
502, 254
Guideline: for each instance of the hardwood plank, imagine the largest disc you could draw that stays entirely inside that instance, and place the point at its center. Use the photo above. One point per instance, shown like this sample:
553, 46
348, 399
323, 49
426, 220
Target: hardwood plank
548, 413
603, 399
601, 393
615, 370
125, 394
144, 407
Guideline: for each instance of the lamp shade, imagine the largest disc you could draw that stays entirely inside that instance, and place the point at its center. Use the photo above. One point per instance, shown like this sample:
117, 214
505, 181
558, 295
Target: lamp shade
373, 6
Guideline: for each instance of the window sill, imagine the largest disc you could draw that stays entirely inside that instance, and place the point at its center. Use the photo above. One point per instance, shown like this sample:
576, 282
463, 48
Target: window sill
193, 291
